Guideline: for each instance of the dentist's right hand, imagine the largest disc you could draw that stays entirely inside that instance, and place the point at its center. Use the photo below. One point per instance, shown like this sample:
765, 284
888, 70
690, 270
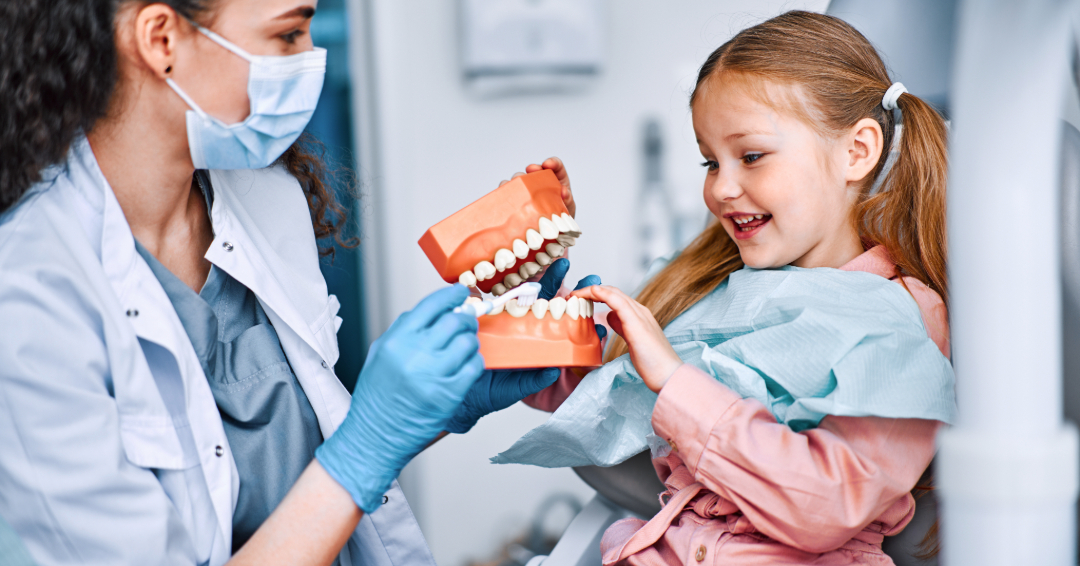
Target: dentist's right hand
415, 378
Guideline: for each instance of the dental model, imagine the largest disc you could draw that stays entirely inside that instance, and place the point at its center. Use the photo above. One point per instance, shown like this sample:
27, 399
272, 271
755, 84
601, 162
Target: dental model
495, 245
501, 240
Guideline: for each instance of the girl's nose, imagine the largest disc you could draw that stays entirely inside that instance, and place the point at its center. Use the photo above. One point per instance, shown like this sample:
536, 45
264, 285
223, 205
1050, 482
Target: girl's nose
725, 185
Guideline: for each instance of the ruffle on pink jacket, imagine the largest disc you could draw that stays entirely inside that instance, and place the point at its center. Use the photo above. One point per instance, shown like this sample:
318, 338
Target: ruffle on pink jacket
746, 490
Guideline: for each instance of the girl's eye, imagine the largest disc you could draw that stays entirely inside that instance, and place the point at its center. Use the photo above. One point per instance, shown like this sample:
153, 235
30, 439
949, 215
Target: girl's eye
751, 157
710, 165
290, 37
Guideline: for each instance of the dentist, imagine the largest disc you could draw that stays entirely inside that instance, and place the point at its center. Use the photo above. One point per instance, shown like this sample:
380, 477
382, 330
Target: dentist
167, 342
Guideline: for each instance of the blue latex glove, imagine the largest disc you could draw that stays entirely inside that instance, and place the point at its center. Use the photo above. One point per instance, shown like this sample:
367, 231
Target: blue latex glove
414, 379
498, 389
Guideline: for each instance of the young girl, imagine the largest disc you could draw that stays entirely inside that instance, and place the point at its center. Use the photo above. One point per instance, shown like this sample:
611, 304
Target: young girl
795, 119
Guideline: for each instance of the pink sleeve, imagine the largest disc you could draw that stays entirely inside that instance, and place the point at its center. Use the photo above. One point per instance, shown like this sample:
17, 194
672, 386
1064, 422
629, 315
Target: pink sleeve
812, 490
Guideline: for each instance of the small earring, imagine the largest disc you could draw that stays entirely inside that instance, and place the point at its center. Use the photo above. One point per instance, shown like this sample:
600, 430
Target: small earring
168, 69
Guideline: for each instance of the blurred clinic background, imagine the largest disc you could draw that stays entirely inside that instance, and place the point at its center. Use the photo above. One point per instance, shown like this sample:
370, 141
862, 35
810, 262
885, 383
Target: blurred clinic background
430, 103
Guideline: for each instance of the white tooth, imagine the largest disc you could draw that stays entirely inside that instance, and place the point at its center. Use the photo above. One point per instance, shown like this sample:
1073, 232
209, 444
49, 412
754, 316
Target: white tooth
498, 289
467, 279
484, 271
557, 307
516, 310
523, 271
554, 250
533, 239
566, 240
757, 216
575, 230
504, 259
512, 280
521, 249
532, 266
548, 229
589, 313
498, 309
573, 308
473, 300
540, 308
542, 259
560, 223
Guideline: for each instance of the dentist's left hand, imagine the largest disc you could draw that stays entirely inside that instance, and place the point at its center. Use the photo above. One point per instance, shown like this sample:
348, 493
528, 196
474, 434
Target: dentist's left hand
414, 379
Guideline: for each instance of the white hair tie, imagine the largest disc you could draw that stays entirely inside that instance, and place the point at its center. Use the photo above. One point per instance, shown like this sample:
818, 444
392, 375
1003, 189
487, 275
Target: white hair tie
892, 95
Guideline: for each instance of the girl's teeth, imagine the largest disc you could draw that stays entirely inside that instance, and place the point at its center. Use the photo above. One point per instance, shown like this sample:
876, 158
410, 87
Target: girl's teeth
540, 308
758, 216
467, 279
499, 289
521, 249
560, 223
512, 280
548, 229
504, 259
554, 250
566, 240
542, 259
573, 308
533, 239
557, 307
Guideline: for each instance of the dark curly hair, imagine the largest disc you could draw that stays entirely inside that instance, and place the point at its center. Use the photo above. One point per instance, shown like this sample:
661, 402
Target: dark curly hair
58, 71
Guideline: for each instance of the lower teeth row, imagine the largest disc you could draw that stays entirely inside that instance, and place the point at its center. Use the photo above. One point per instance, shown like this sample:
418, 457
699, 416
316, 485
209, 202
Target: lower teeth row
573, 307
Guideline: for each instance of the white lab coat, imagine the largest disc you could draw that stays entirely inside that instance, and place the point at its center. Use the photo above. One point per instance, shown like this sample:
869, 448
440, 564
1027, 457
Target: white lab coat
112, 450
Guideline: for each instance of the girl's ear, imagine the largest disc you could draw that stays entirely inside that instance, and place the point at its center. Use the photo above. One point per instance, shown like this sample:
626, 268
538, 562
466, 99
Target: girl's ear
865, 142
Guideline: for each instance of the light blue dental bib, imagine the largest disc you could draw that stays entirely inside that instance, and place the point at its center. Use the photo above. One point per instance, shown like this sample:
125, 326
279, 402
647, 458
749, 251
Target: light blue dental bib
804, 342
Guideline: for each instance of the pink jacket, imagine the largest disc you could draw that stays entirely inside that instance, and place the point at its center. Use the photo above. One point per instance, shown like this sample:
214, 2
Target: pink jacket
744, 489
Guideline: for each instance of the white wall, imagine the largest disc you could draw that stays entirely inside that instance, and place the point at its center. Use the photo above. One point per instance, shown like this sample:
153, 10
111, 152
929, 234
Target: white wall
427, 148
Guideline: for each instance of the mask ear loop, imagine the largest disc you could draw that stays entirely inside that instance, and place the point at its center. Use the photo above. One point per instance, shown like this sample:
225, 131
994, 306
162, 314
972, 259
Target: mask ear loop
225, 43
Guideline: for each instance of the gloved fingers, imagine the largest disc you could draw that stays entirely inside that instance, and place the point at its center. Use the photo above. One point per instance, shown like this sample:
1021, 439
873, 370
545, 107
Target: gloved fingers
468, 373
447, 327
428, 310
531, 382
552, 280
462, 348
588, 281
601, 331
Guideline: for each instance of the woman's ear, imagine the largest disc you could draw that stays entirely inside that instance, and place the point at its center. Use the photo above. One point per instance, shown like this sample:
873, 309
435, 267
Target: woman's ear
157, 30
865, 142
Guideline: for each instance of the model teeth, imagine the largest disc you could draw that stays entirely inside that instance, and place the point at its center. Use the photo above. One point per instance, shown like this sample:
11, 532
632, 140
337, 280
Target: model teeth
498, 289
521, 250
528, 269
504, 259
561, 228
497, 309
533, 239
560, 223
516, 310
540, 308
484, 271
548, 229
557, 307
575, 230
573, 309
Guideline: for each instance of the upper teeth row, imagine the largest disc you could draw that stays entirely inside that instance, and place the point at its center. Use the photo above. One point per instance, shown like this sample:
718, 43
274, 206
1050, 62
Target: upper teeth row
745, 219
573, 307
561, 228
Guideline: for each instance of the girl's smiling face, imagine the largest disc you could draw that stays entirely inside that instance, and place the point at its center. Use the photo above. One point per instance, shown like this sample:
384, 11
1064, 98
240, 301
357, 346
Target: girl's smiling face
783, 191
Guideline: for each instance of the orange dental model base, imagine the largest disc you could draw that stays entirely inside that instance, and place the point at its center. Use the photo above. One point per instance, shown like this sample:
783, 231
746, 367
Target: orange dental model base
527, 342
496, 241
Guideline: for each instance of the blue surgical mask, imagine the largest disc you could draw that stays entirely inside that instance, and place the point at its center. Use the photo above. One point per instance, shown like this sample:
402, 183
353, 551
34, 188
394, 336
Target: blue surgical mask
283, 91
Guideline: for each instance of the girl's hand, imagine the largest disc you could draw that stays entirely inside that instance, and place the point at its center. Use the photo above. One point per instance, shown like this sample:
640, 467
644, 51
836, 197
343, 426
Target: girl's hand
556, 166
650, 351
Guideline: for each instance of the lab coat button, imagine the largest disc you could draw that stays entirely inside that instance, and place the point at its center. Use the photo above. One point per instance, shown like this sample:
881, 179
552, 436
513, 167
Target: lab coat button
325, 365
219, 451
227, 245
132, 313
700, 553
385, 499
